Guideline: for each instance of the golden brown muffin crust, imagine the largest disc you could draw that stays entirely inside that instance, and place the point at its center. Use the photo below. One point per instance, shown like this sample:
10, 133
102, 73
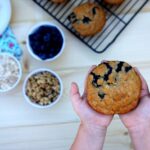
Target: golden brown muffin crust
58, 1
114, 2
113, 87
88, 19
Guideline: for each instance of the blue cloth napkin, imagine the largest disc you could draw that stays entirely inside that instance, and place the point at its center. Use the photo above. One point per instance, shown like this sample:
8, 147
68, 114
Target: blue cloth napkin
9, 44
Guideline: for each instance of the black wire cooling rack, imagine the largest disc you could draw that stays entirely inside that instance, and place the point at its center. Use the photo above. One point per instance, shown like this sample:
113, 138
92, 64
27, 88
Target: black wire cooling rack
118, 17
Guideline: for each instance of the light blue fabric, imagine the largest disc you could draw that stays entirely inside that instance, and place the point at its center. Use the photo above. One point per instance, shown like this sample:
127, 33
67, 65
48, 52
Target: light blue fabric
9, 44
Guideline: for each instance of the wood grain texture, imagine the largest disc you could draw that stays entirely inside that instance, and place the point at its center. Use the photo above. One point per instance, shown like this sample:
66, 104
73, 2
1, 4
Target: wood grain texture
57, 137
27, 128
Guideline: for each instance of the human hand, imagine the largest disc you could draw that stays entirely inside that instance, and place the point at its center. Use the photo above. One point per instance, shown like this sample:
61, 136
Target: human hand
141, 115
87, 115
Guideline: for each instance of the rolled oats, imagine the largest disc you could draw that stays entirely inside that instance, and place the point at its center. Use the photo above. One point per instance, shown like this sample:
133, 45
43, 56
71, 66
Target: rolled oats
9, 72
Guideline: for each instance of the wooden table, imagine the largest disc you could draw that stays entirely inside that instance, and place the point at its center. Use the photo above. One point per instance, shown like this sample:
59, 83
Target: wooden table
23, 127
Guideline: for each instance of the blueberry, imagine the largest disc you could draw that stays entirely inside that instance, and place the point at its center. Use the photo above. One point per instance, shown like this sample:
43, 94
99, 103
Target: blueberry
86, 20
127, 69
34, 37
36, 44
119, 66
94, 10
47, 37
51, 55
42, 47
95, 79
42, 56
106, 76
101, 95
52, 50
72, 18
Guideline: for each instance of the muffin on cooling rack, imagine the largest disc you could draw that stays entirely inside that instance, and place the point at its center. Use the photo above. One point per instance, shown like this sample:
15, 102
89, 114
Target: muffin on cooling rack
88, 19
58, 1
114, 2
113, 87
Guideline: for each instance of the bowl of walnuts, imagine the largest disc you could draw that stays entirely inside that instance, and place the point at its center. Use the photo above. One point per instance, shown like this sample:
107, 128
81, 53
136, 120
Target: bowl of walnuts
42, 88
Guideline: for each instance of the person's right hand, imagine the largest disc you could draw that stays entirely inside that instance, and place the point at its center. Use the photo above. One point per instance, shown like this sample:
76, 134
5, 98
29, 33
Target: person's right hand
140, 117
87, 115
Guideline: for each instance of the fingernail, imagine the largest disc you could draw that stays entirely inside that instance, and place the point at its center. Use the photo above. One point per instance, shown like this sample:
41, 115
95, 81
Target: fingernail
73, 83
103, 61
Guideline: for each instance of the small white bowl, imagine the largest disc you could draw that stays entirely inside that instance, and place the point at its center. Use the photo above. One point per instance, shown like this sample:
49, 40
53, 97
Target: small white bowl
39, 71
33, 29
20, 71
5, 13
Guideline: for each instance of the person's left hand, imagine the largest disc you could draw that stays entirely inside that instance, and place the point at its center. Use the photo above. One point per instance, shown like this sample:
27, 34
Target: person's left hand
87, 115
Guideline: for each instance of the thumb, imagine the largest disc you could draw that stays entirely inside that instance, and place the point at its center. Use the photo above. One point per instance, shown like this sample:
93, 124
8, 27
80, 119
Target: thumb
145, 90
74, 93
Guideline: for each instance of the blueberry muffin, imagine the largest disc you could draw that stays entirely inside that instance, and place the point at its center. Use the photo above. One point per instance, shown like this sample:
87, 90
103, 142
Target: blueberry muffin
88, 19
58, 1
113, 87
114, 2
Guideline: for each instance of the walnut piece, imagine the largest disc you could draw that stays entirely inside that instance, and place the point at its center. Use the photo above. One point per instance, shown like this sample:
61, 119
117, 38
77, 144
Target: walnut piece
43, 88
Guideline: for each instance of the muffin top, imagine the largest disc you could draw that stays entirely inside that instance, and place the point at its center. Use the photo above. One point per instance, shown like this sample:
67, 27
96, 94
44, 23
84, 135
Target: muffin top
88, 19
113, 87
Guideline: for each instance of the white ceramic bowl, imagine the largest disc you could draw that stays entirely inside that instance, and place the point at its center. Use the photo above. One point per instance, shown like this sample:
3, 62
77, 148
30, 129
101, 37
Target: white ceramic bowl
20, 71
33, 29
39, 71
5, 14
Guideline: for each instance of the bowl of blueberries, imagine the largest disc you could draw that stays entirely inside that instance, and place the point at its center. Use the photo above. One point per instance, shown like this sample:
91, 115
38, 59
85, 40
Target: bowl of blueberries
45, 41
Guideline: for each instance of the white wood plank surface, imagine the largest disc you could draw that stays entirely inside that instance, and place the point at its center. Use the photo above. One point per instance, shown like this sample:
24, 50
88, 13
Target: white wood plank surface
57, 137
23, 127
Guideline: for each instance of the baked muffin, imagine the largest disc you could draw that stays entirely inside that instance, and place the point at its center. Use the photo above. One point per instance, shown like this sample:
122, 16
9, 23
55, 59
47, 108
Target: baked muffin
58, 1
114, 2
88, 19
113, 87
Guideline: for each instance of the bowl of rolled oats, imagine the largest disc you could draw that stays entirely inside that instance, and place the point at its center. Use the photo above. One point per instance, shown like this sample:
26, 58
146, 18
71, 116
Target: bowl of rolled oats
42, 88
10, 72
